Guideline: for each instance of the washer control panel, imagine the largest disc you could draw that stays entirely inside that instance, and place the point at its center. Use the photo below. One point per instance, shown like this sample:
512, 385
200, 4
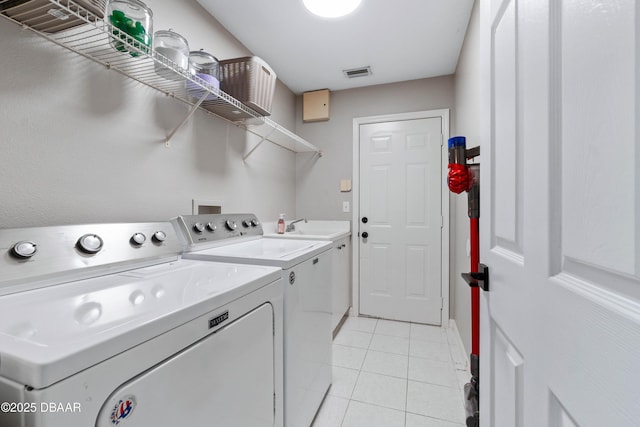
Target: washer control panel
199, 230
38, 256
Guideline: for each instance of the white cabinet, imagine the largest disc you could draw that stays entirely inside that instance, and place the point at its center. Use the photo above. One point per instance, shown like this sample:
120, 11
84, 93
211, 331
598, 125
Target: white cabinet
341, 279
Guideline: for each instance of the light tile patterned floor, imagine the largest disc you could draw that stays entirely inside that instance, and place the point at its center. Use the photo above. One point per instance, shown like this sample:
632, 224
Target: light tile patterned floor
395, 374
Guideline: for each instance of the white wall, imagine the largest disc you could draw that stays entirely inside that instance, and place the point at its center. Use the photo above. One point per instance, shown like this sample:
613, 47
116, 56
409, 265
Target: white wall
81, 143
467, 123
318, 193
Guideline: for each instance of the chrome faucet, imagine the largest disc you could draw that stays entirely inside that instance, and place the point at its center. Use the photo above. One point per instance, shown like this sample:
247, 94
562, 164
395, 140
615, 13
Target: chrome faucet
292, 227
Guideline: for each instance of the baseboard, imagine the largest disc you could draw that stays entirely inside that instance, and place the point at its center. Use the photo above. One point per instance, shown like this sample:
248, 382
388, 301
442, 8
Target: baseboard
344, 318
460, 357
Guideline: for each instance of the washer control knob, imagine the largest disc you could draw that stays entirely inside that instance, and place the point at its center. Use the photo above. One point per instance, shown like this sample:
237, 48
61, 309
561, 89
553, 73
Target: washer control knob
246, 223
211, 227
24, 249
231, 225
255, 222
90, 243
159, 236
198, 227
138, 239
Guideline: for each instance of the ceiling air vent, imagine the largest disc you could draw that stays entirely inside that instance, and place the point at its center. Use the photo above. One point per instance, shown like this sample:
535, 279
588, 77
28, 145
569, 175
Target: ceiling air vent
357, 72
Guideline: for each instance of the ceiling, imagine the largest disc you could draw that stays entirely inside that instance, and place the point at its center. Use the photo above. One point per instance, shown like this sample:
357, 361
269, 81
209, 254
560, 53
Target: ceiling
400, 40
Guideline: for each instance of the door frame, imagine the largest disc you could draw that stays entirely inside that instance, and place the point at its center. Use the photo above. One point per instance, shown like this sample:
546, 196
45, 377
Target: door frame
443, 114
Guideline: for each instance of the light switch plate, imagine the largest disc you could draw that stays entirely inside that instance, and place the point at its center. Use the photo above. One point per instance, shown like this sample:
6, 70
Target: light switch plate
346, 207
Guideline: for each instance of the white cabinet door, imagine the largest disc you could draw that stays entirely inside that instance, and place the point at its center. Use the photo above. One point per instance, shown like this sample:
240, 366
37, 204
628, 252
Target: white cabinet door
560, 221
341, 283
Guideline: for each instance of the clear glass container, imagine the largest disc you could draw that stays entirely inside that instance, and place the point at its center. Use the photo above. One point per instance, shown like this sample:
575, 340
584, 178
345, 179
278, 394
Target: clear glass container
132, 23
172, 50
201, 62
204, 66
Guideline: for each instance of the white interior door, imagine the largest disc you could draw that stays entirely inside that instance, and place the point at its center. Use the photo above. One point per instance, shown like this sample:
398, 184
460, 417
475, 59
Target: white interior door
401, 198
560, 221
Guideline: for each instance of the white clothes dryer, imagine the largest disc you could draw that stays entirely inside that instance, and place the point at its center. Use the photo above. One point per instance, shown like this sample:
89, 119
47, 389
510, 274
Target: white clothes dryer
104, 325
306, 273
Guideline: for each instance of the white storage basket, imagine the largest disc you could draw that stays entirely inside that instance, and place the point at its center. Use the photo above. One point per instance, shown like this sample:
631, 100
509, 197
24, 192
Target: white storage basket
249, 80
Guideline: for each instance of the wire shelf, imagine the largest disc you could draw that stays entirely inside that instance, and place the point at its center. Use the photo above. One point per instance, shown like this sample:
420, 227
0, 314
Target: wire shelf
74, 27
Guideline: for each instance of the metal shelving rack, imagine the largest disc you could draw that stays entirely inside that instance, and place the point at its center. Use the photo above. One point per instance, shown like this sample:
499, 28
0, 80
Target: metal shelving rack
92, 40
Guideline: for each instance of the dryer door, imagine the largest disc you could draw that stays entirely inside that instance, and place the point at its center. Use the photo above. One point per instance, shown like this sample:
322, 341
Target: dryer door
225, 379
308, 338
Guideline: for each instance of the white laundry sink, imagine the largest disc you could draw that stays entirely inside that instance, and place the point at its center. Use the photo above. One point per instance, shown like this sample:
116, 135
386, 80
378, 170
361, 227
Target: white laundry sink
311, 230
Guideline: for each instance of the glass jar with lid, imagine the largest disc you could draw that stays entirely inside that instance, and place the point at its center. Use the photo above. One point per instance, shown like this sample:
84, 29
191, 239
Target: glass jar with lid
131, 26
204, 66
172, 53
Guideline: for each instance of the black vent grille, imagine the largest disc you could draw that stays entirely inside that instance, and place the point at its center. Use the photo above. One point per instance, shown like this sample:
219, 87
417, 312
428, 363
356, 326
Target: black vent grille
358, 72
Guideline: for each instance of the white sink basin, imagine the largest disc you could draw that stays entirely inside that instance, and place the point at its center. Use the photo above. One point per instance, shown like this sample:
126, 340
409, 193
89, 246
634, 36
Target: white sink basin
312, 230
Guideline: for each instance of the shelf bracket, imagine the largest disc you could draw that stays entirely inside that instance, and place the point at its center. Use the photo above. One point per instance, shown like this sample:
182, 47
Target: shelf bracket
194, 107
263, 139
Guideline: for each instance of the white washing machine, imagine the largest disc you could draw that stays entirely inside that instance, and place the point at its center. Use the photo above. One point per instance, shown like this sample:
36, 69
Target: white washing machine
104, 325
306, 272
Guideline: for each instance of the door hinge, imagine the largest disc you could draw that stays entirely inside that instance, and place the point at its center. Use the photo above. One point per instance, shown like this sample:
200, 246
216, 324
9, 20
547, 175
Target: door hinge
441, 221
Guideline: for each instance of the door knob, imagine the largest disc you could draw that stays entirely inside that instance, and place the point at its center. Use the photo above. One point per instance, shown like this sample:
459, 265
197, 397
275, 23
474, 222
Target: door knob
365, 234
365, 220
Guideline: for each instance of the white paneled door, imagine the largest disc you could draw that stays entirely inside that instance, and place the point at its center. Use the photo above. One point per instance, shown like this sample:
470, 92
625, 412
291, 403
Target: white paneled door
560, 219
401, 220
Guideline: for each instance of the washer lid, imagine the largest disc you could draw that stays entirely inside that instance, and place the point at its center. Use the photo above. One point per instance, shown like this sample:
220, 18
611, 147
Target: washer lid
284, 253
49, 334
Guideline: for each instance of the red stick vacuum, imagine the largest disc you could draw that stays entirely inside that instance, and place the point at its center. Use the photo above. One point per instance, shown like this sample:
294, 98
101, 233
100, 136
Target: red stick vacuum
464, 177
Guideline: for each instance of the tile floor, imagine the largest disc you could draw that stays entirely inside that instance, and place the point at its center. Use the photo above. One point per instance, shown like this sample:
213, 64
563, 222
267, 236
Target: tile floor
395, 374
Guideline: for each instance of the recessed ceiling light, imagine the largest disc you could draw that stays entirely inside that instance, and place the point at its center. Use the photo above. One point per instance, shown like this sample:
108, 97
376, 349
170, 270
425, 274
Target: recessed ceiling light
331, 8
